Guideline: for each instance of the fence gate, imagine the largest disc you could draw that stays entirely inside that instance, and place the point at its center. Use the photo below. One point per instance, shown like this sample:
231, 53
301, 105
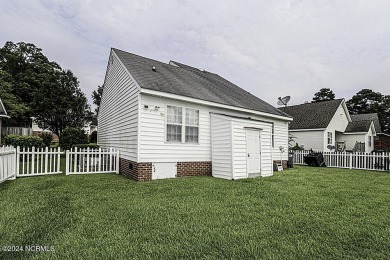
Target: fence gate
39, 161
7, 163
83, 161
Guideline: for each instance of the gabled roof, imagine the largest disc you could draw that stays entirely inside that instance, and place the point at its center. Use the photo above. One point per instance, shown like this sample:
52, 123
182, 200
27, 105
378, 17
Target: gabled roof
190, 82
368, 117
358, 126
315, 115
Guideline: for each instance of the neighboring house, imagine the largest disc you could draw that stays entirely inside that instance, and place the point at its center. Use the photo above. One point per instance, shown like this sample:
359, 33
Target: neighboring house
320, 125
3, 114
173, 120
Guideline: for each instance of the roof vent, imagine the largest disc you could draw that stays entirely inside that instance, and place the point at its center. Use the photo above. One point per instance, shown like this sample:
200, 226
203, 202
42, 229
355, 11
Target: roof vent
202, 70
154, 68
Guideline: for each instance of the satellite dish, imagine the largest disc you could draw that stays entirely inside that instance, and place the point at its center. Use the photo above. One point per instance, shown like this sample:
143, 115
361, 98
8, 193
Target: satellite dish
283, 101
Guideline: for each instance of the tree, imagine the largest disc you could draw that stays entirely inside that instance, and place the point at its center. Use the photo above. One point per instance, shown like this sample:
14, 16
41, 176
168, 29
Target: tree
367, 101
38, 87
15, 107
323, 94
27, 70
61, 104
97, 97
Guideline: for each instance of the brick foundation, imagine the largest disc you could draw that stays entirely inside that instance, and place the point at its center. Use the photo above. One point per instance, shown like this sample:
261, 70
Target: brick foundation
135, 171
143, 171
284, 163
193, 169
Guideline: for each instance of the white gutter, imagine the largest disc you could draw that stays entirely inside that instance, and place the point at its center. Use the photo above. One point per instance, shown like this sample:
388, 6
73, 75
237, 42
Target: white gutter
209, 103
303, 130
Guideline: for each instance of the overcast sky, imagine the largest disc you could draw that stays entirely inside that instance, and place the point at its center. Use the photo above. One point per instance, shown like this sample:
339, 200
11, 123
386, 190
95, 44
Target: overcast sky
270, 48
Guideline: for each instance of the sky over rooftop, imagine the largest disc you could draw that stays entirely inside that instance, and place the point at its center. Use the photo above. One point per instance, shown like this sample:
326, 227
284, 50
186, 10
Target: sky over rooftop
269, 48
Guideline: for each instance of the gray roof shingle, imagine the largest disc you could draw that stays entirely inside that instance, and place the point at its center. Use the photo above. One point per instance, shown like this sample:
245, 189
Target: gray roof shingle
368, 117
358, 126
187, 81
312, 115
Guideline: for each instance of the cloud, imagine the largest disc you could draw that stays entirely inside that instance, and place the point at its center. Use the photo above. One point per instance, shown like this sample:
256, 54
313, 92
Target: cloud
270, 48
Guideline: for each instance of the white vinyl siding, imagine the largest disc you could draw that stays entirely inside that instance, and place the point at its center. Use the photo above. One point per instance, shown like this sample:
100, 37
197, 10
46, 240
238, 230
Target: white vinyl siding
118, 113
309, 139
221, 147
240, 151
153, 145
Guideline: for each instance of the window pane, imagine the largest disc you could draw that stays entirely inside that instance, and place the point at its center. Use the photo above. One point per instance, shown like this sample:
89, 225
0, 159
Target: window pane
192, 134
174, 133
192, 117
174, 115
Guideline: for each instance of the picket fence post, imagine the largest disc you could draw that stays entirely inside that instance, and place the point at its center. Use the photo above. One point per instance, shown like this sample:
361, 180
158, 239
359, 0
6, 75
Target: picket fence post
67, 162
117, 162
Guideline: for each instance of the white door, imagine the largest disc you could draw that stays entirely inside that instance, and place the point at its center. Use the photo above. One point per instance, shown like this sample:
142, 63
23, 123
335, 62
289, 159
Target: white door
253, 152
163, 170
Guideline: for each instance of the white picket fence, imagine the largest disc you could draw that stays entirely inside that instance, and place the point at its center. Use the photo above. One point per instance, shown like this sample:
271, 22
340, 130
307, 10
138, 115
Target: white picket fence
83, 161
7, 163
38, 161
22, 162
361, 161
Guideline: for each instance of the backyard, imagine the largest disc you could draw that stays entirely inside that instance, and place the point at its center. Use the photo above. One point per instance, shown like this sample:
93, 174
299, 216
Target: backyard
300, 213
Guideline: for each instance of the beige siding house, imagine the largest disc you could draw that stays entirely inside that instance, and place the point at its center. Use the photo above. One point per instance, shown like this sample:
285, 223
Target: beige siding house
172, 120
327, 125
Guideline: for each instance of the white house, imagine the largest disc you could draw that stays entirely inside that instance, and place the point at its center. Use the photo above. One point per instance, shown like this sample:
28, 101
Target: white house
172, 120
321, 125
3, 114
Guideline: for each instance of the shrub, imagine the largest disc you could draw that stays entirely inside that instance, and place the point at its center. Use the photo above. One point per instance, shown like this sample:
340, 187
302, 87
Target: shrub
296, 147
93, 137
46, 138
90, 145
24, 141
71, 136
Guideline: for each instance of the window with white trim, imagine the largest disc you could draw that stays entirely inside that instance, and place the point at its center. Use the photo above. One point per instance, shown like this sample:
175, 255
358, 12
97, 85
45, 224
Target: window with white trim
369, 141
174, 123
330, 138
192, 126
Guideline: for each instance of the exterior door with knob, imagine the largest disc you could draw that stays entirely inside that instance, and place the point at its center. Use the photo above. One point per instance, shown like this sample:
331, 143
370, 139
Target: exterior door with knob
253, 153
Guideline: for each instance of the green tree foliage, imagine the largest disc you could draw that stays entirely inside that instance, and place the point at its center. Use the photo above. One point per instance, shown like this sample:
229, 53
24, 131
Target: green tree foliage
61, 104
367, 101
16, 109
324, 94
71, 137
46, 137
97, 97
35, 86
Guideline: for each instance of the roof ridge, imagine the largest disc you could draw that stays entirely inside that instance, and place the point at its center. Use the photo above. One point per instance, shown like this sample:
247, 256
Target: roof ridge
311, 103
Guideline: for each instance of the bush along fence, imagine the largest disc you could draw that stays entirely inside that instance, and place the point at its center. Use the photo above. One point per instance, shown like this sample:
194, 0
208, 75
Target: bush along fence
21, 162
361, 161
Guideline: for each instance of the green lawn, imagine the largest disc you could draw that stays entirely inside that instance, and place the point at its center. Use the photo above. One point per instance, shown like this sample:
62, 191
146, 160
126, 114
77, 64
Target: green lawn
300, 213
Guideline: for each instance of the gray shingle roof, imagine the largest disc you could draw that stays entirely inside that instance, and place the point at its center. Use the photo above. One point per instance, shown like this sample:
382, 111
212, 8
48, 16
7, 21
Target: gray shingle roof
190, 82
368, 117
358, 126
312, 115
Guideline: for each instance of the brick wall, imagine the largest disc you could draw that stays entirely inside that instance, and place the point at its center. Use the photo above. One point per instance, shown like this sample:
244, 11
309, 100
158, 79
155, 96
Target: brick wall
143, 171
135, 171
193, 169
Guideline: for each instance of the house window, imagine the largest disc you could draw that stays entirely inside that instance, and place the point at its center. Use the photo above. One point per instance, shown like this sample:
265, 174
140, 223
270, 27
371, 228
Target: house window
192, 126
369, 141
174, 123
330, 138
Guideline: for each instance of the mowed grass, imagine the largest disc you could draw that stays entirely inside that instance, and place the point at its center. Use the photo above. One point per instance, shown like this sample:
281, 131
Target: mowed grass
300, 213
